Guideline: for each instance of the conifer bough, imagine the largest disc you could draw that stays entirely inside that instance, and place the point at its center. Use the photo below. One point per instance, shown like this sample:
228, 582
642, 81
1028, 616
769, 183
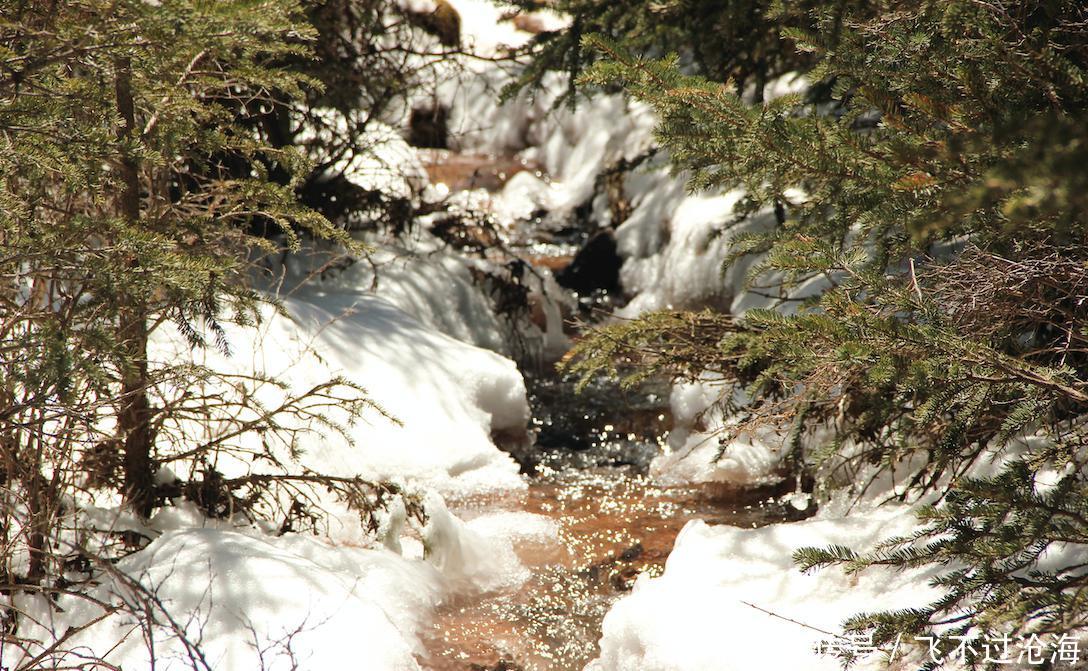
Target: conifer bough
940, 151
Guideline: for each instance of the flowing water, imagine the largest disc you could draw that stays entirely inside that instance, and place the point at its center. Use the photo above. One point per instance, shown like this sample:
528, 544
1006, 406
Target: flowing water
613, 522
586, 472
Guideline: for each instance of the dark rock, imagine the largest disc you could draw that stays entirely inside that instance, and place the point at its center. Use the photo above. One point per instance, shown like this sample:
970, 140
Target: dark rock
501, 665
632, 553
595, 267
429, 127
624, 581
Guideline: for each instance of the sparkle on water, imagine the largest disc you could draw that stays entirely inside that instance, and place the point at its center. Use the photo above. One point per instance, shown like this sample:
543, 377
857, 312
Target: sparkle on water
612, 528
589, 452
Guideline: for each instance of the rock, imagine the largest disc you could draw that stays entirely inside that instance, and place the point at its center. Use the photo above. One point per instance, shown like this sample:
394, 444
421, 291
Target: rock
501, 665
528, 23
429, 127
443, 22
632, 553
596, 266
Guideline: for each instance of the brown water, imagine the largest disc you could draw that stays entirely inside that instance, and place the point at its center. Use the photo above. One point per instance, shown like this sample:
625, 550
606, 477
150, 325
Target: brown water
613, 524
613, 527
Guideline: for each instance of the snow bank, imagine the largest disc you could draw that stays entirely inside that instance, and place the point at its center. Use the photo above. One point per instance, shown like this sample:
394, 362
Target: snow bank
253, 599
448, 397
445, 290
250, 599
263, 603
418, 275
675, 245
700, 447
239, 597
485, 32
697, 617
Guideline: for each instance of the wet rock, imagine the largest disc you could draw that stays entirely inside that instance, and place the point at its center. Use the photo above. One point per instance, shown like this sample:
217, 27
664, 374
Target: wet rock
501, 665
429, 127
519, 445
613, 572
596, 267
527, 23
461, 171
444, 22
624, 580
632, 553
466, 234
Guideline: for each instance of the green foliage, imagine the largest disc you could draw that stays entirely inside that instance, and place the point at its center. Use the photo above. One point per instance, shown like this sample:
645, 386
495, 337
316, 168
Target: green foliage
936, 194
736, 40
992, 533
370, 61
938, 126
679, 344
131, 185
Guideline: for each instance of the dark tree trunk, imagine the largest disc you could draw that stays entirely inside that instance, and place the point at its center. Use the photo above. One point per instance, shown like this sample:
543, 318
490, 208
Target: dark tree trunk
134, 420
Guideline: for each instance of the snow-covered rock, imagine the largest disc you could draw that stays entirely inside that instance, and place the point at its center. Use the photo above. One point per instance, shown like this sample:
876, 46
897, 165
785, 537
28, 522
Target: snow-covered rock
703, 445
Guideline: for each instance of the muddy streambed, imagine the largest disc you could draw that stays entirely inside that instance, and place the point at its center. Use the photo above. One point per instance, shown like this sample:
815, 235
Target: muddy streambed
613, 523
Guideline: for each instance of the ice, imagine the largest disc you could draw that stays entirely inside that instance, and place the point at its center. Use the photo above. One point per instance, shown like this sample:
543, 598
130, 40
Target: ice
470, 560
516, 525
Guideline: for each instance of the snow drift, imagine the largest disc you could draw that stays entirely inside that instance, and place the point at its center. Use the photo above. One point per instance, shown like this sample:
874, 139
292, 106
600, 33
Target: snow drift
722, 603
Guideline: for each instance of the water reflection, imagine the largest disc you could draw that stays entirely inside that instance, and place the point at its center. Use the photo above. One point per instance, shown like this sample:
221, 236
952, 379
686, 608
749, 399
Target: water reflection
613, 527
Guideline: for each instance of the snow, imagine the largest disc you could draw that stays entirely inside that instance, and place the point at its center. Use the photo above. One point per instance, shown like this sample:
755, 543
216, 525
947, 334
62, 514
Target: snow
697, 617
572, 146
387, 164
253, 599
411, 325
701, 446
515, 526
470, 558
482, 30
674, 243
447, 396
420, 277
688, 270
257, 602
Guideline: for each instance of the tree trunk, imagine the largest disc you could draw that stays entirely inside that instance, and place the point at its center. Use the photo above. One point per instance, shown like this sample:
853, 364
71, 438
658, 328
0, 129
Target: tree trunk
134, 418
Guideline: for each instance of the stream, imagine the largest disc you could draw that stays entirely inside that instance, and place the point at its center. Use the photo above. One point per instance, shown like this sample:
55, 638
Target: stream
586, 471
614, 524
